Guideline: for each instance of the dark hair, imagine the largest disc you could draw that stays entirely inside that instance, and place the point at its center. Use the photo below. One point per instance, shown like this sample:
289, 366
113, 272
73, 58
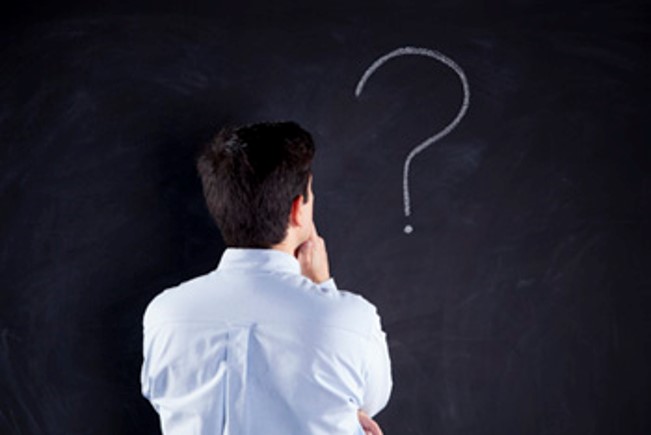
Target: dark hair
250, 177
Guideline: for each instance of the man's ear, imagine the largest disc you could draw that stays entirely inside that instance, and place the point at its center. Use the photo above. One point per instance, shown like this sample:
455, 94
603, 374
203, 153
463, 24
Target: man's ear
296, 213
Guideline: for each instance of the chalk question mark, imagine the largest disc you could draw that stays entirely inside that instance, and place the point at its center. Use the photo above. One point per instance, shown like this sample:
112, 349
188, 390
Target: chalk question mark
432, 139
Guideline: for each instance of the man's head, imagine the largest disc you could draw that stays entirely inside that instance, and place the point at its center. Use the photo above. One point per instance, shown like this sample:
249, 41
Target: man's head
257, 183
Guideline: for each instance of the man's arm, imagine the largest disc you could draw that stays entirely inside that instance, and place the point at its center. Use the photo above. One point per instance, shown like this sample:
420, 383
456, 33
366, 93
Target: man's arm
378, 371
313, 257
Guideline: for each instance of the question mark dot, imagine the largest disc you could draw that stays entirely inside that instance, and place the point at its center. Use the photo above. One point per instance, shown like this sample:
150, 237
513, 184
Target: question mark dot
409, 229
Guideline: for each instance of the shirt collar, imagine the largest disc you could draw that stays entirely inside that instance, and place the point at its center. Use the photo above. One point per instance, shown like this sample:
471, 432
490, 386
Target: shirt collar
270, 260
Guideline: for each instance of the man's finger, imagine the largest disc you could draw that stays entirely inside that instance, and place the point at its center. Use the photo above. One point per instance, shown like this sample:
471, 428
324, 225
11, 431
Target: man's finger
368, 424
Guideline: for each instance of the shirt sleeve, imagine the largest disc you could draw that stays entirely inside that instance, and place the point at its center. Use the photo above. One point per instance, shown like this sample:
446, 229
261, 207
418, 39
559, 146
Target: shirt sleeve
378, 381
328, 284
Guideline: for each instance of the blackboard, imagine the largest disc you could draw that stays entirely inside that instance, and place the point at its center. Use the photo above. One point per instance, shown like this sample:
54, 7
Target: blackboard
518, 304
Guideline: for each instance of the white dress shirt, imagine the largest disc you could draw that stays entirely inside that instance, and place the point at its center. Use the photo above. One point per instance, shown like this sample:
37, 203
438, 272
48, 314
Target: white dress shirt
254, 347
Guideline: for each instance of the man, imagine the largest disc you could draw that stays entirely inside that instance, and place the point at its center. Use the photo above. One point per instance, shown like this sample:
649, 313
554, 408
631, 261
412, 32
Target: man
265, 343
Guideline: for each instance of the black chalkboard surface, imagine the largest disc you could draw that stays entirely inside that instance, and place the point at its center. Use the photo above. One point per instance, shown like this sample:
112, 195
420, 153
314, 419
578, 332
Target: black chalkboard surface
517, 305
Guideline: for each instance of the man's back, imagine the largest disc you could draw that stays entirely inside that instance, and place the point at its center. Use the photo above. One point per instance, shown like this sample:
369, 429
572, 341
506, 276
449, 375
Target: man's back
255, 347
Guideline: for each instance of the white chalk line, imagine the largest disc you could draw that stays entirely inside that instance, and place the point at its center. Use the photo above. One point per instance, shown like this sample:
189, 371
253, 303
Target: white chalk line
434, 138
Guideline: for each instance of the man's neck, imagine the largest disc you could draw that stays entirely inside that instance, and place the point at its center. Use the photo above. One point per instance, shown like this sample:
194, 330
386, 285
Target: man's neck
285, 247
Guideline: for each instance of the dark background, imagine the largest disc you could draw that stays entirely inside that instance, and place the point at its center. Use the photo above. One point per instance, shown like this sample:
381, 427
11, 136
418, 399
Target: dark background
519, 305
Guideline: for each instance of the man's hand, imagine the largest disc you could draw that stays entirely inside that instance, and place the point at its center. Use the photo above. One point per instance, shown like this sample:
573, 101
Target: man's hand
368, 424
313, 257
